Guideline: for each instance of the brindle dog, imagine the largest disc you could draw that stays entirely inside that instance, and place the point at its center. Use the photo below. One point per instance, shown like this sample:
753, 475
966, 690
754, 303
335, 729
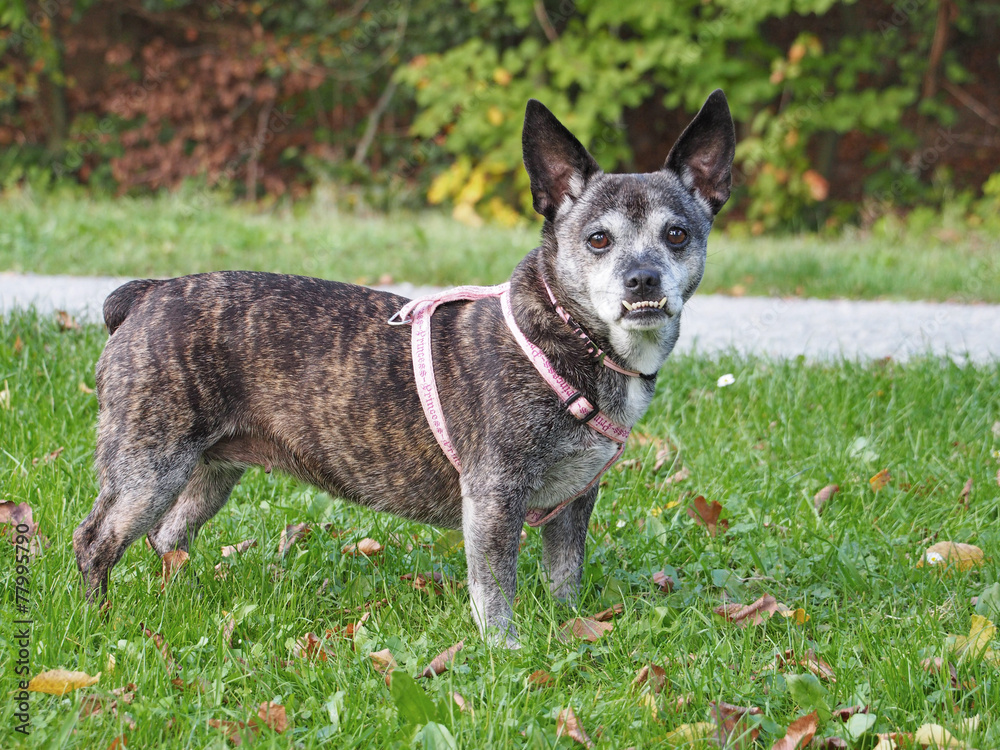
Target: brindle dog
206, 375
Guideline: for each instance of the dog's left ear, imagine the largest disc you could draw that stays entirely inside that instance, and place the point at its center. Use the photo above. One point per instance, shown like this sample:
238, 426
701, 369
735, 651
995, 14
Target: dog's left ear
557, 163
703, 155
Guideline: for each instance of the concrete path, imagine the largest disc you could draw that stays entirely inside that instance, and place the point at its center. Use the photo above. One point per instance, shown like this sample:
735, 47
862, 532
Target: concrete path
774, 327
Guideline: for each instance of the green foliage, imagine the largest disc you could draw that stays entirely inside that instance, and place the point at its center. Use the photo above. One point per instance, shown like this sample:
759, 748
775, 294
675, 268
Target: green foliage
592, 60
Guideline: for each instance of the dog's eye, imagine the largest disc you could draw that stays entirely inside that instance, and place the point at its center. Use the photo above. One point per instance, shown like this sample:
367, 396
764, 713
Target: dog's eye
598, 240
676, 236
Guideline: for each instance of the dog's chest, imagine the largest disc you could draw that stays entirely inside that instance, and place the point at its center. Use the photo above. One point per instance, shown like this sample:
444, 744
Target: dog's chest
569, 475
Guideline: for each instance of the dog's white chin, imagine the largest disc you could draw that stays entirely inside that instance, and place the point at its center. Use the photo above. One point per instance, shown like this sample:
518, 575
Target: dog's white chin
644, 345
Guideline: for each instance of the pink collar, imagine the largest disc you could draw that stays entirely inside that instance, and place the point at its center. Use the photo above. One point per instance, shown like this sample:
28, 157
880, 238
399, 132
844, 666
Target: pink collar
418, 312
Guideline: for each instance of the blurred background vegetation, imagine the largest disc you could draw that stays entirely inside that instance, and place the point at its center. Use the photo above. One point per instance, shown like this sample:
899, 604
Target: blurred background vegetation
848, 113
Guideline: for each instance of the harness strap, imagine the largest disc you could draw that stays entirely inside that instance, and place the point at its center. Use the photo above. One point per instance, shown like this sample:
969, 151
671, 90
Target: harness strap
418, 313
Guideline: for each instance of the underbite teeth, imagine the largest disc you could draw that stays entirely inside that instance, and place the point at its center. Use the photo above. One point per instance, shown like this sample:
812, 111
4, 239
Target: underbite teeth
645, 304
627, 305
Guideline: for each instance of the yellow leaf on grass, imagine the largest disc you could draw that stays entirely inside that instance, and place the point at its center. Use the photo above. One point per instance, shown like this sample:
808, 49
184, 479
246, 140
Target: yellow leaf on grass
977, 642
952, 554
880, 480
935, 735
691, 735
61, 681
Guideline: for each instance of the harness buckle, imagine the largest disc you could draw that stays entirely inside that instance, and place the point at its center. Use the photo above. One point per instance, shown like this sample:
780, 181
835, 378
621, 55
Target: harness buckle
572, 400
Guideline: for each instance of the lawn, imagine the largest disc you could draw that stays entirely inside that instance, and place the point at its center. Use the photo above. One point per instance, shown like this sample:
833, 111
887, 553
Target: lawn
68, 232
761, 447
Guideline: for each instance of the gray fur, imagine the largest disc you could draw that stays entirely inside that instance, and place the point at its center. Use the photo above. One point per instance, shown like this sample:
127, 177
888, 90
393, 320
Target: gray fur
206, 375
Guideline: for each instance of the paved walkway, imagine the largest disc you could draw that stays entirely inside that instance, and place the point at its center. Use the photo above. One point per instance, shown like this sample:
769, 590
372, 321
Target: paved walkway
775, 327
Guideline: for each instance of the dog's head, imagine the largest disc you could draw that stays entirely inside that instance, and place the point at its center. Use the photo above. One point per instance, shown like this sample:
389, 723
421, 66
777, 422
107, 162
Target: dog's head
628, 250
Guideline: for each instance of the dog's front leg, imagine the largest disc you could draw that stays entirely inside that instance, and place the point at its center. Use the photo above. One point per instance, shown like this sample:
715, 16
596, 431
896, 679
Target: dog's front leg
563, 542
492, 517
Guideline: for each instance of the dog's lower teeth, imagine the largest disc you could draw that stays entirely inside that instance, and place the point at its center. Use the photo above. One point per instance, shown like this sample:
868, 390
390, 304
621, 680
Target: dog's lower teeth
643, 304
662, 303
627, 306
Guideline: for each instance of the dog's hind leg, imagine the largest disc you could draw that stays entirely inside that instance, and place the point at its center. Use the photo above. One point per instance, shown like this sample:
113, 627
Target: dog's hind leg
563, 541
137, 488
206, 492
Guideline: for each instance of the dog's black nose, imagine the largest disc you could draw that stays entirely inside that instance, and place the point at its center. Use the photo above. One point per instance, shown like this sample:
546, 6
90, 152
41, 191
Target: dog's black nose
642, 281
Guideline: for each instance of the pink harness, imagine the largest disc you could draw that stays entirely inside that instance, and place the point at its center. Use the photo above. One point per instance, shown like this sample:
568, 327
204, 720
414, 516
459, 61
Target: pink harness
418, 313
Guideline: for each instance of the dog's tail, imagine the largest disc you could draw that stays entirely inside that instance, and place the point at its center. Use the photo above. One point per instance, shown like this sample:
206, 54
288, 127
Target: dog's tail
119, 303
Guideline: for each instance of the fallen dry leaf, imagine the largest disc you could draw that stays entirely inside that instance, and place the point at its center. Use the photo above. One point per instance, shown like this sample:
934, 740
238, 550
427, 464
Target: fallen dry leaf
228, 627
691, 735
292, 534
609, 613
707, 515
750, 614
732, 729
238, 549
92, 704
937, 664
977, 642
846, 713
567, 725
966, 493
366, 547
820, 498
18, 345
172, 562
66, 322
235, 731
383, 661
675, 478
463, 705
799, 734
118, 742
810, 661
665, 582
310, 646
584, 628
84, 388
540, 678
125, 694
880, 480
273, 714
61, 681
935, 736
197, 685
952, 554
441, 661
655, 675
48, 457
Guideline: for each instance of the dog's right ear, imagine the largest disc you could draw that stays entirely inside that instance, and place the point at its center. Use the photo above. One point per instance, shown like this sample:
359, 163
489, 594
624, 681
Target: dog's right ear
557, 163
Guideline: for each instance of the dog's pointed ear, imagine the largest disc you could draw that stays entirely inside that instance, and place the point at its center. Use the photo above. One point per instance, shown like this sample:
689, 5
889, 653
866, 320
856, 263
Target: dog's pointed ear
557, 163
703, 155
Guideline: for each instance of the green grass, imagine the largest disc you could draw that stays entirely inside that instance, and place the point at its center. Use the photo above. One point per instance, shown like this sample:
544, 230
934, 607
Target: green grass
762, 447
67, 232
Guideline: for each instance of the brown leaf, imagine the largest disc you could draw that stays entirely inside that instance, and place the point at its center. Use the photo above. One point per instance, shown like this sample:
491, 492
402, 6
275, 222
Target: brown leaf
652, 673
799, 734
18, 345
583, 628
125, 694
197, 685
441, 661
221, 572
880, 480
367, 547
92, 704
609, 613
383, 661
751, 614
820, 498
963, 498
228, 627
66, 322
665, 582
463, 705
732, 729
84, 388
569, 726
48, 457
830, 743
707, 515
238, 549
61, 681
118, 742
540, 678
161, 644
292, 534
810, 661
172, 562
310, 646
675, 478
846, 713
273, 714
235, 731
